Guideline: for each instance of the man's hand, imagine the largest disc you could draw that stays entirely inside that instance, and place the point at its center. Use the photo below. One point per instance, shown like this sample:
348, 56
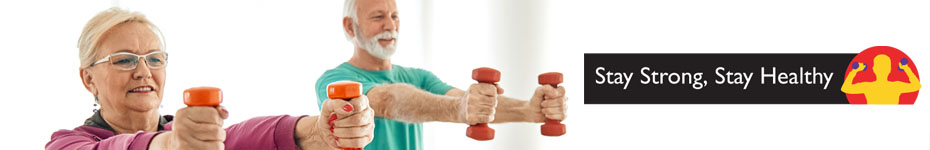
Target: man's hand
547, 103
197, 127
480, 102
341, 124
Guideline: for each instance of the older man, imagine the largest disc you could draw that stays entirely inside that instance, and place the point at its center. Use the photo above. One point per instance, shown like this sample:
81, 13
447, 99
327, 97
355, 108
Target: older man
405, 97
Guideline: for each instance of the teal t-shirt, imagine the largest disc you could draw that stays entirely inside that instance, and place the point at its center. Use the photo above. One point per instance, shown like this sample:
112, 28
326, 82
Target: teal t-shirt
389, 133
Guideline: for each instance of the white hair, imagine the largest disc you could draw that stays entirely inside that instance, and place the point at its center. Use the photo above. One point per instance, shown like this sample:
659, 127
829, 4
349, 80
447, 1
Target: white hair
351, 10
100, 24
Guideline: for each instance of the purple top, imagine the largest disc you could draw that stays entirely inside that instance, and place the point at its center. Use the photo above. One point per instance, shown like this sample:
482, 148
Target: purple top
259, 133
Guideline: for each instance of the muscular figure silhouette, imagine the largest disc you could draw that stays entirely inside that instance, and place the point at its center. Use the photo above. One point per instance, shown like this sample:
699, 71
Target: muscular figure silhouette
881, 91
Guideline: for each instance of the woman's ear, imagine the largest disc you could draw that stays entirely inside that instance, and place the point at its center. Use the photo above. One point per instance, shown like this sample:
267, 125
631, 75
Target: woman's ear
88, 81
348, 25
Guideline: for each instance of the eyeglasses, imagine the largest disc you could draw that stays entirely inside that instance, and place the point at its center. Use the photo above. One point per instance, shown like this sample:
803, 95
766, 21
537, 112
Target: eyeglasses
129, 61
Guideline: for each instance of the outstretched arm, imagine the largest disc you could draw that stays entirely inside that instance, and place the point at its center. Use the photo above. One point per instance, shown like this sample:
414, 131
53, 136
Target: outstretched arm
341, 123
508, 109
848, 87
76, 140
547, 102
408, 103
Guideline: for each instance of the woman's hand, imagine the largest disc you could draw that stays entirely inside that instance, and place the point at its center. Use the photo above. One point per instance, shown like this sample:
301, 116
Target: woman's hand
342, 123
196, 127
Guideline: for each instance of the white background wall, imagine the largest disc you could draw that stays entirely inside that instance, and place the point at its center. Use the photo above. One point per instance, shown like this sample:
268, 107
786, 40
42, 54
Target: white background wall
266, 56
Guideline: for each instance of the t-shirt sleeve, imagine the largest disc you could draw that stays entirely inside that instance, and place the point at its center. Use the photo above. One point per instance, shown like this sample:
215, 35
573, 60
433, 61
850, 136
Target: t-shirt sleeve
338, 75
432, 83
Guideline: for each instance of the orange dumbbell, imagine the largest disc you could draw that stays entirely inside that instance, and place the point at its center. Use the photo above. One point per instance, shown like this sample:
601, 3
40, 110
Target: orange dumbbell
345, 90
552, 127
203, 96
481, 131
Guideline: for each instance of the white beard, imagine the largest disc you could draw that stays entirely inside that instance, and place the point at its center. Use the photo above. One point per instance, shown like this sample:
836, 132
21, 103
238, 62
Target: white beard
374, 47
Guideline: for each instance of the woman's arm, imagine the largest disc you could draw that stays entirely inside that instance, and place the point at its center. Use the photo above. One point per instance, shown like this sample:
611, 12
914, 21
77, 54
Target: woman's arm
350, 124
78, 140
268, 132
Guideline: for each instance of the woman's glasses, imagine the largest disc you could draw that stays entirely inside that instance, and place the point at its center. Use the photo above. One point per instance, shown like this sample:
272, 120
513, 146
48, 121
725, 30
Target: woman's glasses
129, 61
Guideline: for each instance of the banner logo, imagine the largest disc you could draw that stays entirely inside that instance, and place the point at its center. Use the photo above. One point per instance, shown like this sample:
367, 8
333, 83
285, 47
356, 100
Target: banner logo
881, 75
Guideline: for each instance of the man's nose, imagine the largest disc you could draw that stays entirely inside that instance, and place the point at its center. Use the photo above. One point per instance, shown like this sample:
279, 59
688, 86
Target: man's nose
390, 25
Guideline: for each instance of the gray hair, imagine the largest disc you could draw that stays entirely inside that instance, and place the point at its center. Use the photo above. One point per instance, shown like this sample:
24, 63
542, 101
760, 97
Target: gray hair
351, 10
100, 24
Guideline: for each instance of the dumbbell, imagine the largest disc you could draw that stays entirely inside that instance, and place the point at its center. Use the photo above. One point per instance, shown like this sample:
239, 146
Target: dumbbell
345, 90
903, 62
481, 131
552, 127
855, 66
203, 96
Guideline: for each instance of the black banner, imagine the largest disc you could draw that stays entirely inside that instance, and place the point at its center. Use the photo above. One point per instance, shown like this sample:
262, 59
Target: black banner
715, 78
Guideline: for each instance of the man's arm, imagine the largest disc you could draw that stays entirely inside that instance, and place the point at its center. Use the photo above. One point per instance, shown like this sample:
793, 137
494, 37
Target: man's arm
508, 109
408, 103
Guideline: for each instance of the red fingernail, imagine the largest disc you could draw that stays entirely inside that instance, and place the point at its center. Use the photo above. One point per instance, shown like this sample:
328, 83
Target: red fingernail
225, 111
332, 122
331, 130
347, 108
332, 117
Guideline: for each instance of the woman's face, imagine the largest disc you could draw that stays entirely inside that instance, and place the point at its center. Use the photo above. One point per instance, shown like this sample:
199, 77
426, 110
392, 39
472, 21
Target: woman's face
126, 90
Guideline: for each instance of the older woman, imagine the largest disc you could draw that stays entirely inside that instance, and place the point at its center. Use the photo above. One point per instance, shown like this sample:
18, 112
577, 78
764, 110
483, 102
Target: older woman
129, 92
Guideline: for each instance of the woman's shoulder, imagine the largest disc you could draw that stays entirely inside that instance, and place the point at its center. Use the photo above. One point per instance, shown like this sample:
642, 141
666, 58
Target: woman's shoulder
84, 130
61, 139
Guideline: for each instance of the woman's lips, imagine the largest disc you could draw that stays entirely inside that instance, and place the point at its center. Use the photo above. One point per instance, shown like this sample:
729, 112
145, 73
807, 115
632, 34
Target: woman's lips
142, 89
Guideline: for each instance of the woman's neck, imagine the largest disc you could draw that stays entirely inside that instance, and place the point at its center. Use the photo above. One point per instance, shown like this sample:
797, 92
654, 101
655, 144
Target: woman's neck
131, 121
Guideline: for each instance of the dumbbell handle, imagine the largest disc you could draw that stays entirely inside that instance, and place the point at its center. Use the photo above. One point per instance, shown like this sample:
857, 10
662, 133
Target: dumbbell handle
345, 90
481, 131
552, 127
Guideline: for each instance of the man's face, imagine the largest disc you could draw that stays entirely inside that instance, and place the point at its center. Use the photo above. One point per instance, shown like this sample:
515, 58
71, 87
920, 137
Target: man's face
376, 17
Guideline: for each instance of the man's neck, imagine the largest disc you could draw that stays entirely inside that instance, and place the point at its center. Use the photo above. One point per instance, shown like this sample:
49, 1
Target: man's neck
131, 121
362, 59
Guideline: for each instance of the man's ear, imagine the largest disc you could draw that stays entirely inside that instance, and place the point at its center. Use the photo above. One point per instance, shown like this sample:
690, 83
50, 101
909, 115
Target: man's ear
88, 81
348, 25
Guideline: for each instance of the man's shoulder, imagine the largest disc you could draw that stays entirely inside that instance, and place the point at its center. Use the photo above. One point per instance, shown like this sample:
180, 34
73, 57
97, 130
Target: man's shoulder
405, 69
336, 74
337, 71
341, 70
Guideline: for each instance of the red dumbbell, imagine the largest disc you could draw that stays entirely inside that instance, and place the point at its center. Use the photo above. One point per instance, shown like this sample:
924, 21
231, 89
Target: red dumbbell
203, 96
552, 127
345, 90
481, 131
